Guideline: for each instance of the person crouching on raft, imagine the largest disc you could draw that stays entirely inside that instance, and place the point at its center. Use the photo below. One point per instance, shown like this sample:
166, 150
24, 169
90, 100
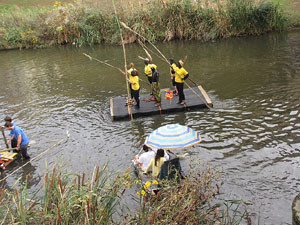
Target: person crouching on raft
134, 84
180, 75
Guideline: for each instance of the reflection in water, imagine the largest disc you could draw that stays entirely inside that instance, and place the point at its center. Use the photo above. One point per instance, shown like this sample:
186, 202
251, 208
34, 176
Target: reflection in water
253, 132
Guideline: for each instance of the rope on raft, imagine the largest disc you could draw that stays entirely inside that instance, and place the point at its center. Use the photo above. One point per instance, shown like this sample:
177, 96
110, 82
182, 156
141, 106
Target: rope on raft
165, 60
59, 142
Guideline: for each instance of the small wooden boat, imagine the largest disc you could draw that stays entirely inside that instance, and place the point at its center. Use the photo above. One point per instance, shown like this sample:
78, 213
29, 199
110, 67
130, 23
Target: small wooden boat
200, 100
6, 158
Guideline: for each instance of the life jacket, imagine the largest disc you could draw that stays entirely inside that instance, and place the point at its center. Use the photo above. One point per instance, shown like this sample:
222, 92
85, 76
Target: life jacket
169, 94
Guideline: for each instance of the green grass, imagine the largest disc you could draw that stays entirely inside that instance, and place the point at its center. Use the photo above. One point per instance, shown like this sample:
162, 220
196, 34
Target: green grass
6, 7
80, 24
291, 8
29, 2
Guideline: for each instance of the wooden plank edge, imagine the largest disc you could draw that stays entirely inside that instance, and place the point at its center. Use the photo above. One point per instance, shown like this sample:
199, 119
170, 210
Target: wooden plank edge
112, 109
207, 99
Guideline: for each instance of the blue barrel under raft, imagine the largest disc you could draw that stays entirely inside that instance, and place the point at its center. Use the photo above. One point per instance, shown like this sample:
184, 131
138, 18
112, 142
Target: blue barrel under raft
195, 98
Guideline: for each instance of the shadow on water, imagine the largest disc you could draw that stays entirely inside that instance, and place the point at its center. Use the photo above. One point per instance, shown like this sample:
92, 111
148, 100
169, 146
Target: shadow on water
253, 132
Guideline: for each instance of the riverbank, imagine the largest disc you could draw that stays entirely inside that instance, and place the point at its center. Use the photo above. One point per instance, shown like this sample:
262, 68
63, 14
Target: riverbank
98, 199
77, 23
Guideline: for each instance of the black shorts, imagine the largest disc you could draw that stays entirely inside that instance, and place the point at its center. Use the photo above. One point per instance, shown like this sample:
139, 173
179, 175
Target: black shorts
149, 79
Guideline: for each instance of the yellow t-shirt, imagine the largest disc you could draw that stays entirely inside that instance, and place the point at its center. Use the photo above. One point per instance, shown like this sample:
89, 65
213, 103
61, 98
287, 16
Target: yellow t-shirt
148, 70
129, 71
135, 79
179, 74
155, 169
136, 85
173, 67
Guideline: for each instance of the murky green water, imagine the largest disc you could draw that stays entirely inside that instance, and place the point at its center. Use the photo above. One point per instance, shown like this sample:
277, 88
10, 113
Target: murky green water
253, 132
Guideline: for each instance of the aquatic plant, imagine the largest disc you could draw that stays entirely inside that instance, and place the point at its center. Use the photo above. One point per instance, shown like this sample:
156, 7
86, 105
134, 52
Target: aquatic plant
99, 199
66, 199
162, 20
192, 201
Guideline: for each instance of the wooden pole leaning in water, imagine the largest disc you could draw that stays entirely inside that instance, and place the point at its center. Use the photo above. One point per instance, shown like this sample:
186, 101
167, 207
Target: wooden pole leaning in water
125, 61
165, 60
4, 137
103, 62
39, 155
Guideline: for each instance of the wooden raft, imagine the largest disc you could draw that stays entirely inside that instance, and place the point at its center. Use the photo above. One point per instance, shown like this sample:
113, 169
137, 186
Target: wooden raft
119, 109
7, 158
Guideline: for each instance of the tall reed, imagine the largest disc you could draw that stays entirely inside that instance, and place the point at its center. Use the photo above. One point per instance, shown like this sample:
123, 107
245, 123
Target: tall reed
160, 20
96, 199
192, 201
66, 199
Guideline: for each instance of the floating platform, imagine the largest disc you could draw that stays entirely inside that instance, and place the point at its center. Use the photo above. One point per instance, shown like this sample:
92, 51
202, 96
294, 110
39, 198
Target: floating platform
195, 98
6, 158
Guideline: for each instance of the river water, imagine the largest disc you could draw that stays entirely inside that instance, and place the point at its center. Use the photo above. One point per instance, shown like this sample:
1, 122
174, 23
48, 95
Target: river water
252, 133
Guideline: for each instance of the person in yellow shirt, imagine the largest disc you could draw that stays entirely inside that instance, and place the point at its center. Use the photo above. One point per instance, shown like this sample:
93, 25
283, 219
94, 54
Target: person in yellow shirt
153, 78
148, 71
172, 67
156, 163
134, 84
180, 75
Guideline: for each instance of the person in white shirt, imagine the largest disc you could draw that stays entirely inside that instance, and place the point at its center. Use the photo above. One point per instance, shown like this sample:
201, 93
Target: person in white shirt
144, 159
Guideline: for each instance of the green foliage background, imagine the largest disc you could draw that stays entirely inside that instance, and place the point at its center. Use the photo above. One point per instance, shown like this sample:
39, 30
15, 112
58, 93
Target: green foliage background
79, 24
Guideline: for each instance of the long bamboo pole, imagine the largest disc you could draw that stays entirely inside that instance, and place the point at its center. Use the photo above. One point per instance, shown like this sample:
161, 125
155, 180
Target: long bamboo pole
39, 155
125, 61
165, 60
107, 64
4, 137
7, 149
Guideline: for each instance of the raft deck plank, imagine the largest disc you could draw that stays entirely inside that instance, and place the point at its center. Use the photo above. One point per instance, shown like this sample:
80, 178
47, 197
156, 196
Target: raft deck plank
119, 110
7, 158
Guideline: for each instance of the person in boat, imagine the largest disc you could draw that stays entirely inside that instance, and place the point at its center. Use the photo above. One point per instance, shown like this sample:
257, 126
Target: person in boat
144, 159
9, 119
156, 163
172, 67
22, 140
134, 84
153, 78
180, 76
